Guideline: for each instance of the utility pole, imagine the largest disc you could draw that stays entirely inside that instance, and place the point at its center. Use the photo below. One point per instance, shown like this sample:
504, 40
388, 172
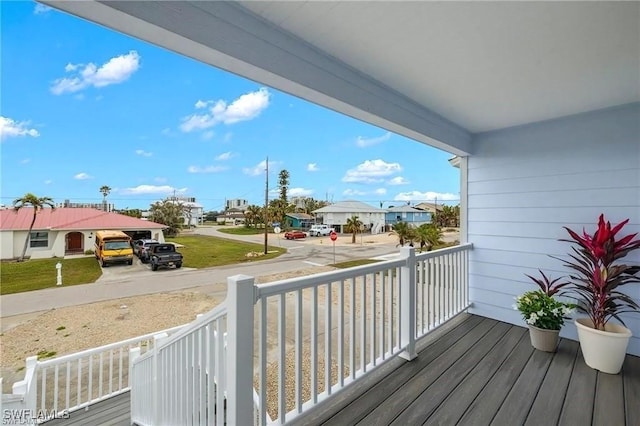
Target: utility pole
266, 205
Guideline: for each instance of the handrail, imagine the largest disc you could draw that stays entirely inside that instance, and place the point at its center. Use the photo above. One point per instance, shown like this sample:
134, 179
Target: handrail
77, 355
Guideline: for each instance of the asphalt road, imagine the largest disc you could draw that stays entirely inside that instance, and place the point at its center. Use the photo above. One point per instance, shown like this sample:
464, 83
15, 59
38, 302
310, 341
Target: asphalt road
125, 281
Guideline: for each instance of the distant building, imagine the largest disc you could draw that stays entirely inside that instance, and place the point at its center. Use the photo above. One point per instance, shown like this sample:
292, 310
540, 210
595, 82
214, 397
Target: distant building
430, 207
236, 203
109, 207
337, 214
192, 212
407, 214
65, 231
231, 217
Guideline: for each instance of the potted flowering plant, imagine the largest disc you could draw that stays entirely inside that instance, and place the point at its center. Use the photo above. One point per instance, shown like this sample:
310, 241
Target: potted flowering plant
543, 313
596, 277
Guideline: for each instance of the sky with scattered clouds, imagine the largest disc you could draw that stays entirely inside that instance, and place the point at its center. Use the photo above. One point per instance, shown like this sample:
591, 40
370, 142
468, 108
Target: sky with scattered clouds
84, 106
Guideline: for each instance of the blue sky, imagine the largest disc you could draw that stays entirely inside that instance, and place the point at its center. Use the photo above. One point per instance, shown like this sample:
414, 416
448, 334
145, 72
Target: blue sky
83, 106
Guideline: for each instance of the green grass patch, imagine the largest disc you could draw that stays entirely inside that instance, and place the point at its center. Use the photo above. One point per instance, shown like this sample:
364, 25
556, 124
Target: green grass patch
352, 263
37, 274
201, 251
241, 230
46, 354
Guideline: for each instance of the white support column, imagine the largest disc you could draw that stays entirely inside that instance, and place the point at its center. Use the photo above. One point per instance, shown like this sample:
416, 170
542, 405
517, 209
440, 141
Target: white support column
156, 379
134, 353
464, 200
28, 387
240, 303
408, 304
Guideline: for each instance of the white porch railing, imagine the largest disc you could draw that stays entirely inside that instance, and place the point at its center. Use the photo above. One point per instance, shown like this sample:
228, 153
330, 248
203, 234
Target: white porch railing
313, 337
62, 385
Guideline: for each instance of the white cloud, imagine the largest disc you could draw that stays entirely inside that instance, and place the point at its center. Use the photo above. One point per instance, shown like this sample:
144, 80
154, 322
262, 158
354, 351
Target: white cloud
115, 70
83, 176
143, 153
260, 168
25, 161
371, 171
246, 107
208, 135
300, 192
426, 196
380, 191
10, 128
352, 192
206, 169
48, 182
41, 9
312, 167
152, 189
225, 156
364, 142
398, 180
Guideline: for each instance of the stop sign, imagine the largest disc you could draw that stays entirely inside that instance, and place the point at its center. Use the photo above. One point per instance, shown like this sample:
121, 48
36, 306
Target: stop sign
333, 236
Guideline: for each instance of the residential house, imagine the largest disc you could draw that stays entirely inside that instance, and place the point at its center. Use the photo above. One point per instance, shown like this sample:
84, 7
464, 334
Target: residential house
408, 214
236, 203
337, 214
300, 220
192, 212
432, 208
231, 217
63, 231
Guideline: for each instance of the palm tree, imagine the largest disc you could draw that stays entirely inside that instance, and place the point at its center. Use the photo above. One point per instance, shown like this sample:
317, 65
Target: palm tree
253, 214
105, 190
353, 225
428, 235
37, 203
405, 233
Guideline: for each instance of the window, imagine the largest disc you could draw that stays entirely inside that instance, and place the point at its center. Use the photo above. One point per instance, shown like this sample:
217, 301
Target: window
39, 239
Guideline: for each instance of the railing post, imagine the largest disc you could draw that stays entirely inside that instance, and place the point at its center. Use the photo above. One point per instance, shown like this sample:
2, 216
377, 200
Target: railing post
28, 387
156, 379
134, 353
408, 303
240, 303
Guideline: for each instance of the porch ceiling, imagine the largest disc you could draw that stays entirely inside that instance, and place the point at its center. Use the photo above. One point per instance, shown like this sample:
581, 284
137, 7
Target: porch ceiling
433, 71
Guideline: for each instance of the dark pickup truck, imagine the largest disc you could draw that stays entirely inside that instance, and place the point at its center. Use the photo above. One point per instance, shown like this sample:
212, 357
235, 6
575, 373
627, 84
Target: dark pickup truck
164, 255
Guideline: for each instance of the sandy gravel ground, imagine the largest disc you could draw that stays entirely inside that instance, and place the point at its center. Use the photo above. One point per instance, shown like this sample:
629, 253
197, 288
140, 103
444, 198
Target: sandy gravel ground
68, 330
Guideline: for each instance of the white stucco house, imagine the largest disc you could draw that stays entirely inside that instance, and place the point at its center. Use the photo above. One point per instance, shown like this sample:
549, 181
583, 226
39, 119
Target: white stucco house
337, 214
65, 231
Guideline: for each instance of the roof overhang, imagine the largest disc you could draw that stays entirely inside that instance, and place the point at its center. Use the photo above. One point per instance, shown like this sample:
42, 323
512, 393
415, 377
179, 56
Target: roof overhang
437, 72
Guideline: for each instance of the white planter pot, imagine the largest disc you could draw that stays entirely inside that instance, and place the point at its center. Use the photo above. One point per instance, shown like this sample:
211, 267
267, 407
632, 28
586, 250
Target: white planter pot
544, 340
603, 350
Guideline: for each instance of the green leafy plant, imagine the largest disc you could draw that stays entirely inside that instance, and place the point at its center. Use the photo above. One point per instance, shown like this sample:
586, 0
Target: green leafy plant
597, 274
543, 311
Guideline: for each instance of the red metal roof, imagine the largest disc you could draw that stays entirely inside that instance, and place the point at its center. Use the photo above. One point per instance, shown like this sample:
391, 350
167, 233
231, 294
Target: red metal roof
71, 218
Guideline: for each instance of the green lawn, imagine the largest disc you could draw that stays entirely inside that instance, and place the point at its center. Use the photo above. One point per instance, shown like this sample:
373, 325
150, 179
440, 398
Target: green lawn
37, 274
242, 230
201, 251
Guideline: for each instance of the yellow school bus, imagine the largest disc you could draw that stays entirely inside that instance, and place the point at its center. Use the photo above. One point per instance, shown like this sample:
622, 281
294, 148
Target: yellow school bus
113, 247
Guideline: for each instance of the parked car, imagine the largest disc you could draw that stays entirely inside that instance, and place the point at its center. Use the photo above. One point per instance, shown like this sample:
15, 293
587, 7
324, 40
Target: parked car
141, 249
292, 235
318, 230
164, 255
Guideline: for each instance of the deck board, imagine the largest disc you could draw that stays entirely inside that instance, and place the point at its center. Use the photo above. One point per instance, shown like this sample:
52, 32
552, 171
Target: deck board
631, 383
548, 403
398, 401
115, 411
453, 408
477, 371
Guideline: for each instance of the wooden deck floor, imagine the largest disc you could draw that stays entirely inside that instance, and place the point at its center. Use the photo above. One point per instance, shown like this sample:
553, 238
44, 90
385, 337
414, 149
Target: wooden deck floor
476, 371
485, 372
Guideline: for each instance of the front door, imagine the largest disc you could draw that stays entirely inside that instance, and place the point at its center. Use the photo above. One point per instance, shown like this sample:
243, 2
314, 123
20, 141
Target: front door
74, 242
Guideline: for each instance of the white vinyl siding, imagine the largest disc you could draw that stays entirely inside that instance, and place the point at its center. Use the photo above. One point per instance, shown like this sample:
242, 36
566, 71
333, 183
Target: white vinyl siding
526, 183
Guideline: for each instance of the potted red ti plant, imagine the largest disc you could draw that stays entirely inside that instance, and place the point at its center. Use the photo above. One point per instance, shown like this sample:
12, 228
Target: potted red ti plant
597, 274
